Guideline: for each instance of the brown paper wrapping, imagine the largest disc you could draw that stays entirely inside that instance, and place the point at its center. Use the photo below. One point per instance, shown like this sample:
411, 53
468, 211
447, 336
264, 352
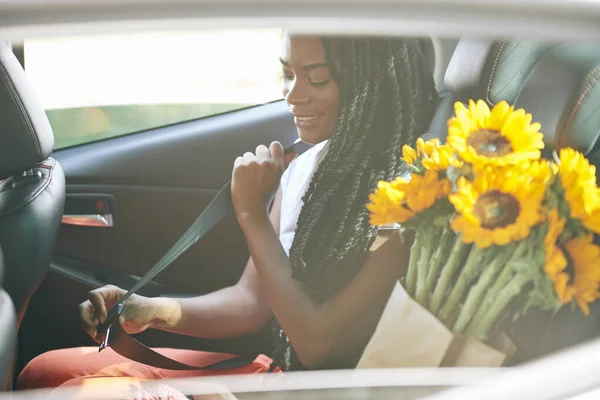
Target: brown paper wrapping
466, 351
409, 336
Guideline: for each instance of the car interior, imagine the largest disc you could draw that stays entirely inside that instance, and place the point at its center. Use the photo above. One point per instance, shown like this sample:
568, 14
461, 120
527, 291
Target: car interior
137, 193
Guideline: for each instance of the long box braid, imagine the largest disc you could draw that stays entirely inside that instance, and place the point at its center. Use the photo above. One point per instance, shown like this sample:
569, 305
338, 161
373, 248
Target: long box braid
387, 99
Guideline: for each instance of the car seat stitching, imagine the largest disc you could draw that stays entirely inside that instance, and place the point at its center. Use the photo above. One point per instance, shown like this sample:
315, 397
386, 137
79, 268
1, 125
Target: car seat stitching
589, 81
523, 67
584, 82
584, 121
590, 75
496, 60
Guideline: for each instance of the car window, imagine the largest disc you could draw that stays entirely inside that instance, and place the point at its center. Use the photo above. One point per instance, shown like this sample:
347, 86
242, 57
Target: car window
101, 86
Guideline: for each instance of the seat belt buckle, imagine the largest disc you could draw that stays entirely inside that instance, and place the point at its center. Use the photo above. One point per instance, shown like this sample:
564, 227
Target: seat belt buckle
104, 329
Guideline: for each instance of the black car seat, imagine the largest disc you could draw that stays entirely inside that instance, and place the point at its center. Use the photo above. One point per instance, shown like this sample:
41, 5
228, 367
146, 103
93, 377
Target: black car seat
32, 186
8, 334
559, 84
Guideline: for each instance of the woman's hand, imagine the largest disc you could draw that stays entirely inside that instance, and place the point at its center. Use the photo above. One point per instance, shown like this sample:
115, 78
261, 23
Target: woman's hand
139, 314
255, 181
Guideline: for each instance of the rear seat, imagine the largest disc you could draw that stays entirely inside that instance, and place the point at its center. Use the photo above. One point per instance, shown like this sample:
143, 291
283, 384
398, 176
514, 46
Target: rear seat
8, 328
558, 84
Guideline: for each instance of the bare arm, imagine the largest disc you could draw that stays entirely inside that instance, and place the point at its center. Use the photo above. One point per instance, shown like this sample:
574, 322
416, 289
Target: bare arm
323, 332
318, 333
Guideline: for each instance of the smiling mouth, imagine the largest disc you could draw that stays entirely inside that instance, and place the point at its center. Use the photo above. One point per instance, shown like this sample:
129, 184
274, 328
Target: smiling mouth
306, 121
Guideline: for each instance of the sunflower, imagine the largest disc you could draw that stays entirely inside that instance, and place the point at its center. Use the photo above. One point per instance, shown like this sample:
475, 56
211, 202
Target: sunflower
578, 181
424, 149
400, 200
535, 171
579, 279
497, 207
498, 137
409, 155
555, 259
432, 155
540, 171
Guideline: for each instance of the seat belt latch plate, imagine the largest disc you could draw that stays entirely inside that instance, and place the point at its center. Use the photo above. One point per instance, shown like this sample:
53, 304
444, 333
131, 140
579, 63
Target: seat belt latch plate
104, 329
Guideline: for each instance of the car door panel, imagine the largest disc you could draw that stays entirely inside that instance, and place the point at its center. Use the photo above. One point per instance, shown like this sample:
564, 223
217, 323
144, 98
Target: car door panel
156, 183
178, 155
148, 222
160, 182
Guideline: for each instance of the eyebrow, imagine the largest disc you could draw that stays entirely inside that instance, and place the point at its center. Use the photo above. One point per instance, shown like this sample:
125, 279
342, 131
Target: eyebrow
306, 67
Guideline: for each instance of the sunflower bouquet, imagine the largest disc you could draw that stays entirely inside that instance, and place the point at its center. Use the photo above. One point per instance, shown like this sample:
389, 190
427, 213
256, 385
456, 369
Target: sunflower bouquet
497, 229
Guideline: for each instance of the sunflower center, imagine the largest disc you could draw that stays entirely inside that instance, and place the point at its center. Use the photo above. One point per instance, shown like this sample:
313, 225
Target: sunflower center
495, 209
489, 143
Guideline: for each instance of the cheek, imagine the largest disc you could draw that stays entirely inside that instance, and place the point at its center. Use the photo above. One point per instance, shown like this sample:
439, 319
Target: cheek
331, 101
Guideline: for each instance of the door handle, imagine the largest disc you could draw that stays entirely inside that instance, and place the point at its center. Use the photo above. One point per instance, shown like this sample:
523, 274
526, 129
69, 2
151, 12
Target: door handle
91, 220
90, 210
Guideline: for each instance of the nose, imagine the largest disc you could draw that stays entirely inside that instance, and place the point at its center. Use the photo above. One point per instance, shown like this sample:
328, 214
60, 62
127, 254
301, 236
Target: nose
297, 93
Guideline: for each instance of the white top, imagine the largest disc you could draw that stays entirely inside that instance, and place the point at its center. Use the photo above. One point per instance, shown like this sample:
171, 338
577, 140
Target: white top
294, 183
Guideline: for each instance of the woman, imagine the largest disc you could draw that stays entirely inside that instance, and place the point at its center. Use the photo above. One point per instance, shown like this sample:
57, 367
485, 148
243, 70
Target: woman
318, 272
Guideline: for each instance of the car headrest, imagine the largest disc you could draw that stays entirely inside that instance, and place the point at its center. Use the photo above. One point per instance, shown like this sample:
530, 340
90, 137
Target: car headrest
563, 94
25, 134
494, 70
428, 50
556, 83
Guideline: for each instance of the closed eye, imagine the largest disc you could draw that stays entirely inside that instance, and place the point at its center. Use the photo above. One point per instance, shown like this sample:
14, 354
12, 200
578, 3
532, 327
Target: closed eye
319, 84
287, 74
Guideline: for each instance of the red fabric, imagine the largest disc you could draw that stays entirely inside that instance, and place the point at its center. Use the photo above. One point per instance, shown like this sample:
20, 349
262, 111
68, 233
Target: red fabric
129, 389
70, 366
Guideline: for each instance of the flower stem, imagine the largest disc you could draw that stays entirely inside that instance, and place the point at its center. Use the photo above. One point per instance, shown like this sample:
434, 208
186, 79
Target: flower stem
501, 281
411, 274
477, 292
441, 253
466, 274
509, 292
428, 243
456, 256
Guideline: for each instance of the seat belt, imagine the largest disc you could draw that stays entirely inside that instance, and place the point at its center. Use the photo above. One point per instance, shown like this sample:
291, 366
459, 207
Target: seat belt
112, 333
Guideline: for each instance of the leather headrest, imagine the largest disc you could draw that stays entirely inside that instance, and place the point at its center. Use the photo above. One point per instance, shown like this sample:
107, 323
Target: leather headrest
428, 51
494, 70
25, 134
556, 83
563, 95
467, 66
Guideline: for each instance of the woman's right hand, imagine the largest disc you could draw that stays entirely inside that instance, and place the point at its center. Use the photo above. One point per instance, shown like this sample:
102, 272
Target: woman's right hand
138, 315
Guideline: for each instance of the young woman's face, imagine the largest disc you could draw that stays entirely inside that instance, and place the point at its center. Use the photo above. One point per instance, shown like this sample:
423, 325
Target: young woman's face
309, 88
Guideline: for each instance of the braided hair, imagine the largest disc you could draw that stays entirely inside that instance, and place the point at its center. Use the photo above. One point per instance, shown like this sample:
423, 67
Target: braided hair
387, 99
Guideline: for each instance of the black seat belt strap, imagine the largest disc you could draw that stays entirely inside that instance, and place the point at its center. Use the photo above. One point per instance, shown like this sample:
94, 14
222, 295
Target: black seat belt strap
113, 335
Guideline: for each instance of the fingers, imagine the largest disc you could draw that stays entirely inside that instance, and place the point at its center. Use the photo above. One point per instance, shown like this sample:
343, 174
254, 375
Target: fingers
97, 300
262, 153
238, 161
93, 311
276, 151
249, 156
88, 319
